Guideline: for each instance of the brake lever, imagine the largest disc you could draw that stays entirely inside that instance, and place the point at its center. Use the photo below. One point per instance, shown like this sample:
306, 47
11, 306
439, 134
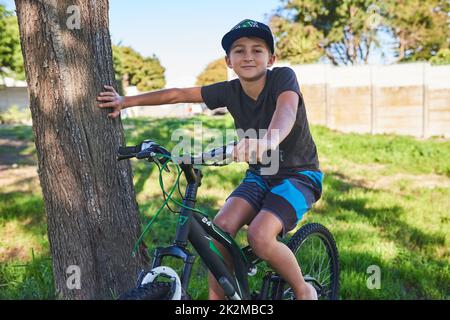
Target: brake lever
159, 163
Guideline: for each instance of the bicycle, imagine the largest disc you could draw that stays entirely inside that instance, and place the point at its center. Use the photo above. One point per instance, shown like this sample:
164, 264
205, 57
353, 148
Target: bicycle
322, 271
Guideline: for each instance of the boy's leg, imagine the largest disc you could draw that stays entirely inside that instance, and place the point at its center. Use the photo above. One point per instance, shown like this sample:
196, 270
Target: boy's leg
262, 236
236, 213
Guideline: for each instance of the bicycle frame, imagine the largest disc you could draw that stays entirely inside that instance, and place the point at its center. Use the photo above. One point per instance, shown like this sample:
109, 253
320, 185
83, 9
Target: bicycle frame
200, 231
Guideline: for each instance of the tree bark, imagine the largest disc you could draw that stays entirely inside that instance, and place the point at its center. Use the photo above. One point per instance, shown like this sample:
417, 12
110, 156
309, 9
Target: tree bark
90, 204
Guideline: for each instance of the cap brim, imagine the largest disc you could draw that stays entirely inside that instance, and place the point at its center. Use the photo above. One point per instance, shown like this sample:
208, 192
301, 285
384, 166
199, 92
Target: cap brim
233, 35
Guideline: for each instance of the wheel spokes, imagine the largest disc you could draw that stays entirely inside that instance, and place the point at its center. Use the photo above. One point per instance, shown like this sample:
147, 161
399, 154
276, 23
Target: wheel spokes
307, 255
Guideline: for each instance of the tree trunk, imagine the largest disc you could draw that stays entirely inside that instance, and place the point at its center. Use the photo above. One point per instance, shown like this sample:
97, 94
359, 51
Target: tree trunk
90, 204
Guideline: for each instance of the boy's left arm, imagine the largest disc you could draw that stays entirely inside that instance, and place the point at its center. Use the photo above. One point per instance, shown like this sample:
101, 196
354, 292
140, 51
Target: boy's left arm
282, 121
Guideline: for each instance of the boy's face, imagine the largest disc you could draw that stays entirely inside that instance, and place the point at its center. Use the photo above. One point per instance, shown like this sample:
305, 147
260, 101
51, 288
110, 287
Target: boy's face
250, 58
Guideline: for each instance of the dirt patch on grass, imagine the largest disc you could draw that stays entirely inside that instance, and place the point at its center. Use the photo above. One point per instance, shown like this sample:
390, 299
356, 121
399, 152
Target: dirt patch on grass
19, 179
374, 176
18, 170
428, 181
15, 244
397, 181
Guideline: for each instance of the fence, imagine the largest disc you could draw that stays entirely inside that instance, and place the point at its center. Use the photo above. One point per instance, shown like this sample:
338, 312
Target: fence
411, 99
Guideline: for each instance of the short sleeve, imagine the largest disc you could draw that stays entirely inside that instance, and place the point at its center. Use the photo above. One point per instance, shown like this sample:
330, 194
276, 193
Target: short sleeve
286, 80
214, 95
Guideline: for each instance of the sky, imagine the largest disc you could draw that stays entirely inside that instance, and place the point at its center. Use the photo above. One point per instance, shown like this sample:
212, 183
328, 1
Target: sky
184, 35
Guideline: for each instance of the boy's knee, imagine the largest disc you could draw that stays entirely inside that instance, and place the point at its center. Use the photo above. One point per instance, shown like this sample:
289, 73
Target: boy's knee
259, 241
225, 224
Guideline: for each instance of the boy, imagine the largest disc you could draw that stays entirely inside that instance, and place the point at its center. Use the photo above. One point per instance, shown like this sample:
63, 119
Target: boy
259, 99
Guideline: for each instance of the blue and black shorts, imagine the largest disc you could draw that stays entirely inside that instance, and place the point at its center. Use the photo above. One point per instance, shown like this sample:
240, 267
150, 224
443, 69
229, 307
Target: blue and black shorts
288, 197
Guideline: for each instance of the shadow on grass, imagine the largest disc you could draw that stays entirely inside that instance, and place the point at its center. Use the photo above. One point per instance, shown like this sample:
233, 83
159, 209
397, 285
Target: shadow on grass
142, 171
388, 218
16, 146
11, 154
17, 132
405, 277
412, 274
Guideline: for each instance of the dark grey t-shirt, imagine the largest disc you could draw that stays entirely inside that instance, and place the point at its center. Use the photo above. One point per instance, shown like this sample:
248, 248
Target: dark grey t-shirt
298, 150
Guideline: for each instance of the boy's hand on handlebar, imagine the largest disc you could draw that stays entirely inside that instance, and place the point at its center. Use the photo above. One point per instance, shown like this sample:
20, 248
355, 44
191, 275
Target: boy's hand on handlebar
249, 150
111, 99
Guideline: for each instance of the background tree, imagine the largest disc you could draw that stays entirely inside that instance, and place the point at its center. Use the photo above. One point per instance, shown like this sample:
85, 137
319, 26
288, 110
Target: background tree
419, 28
92, 215
442, 57
11, 61
348, 31
337, 29
146, 73
296, 43
215, 71
131, 67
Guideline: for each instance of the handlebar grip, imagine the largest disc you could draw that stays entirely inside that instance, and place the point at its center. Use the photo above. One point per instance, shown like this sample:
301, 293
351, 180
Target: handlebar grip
127, 150
124, 157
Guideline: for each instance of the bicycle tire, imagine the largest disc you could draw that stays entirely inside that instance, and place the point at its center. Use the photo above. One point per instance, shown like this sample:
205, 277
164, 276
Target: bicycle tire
149, 291
298, 241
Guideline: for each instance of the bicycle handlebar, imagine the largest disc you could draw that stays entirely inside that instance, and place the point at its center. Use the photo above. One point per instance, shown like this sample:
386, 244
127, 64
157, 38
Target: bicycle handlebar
149, 149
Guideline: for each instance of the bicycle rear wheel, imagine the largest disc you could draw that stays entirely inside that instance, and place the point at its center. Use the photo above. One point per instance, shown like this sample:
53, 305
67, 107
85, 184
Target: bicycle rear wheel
315, 250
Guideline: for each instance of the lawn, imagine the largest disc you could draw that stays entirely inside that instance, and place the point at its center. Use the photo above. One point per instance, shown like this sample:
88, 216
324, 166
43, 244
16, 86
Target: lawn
386, 200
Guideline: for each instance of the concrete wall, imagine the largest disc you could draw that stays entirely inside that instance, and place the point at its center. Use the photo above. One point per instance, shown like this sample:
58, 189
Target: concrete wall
410, 99
13, 96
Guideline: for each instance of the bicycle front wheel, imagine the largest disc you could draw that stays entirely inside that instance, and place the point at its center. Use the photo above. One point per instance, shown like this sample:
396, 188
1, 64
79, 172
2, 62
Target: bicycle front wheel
149, 291
315, 250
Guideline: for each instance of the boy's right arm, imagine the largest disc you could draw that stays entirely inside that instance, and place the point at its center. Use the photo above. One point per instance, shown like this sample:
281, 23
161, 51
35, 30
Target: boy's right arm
111, 99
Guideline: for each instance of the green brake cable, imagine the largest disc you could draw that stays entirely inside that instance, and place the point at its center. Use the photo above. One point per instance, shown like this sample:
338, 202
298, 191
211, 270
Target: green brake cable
161, 183
169, 197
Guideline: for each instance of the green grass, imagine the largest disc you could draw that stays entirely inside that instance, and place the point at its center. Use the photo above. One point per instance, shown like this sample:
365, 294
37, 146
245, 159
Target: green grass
397, 153
386, 200
30, 280
17, 131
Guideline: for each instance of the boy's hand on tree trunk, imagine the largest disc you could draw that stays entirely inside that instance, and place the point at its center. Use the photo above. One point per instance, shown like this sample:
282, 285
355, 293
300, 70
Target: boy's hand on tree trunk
111, 99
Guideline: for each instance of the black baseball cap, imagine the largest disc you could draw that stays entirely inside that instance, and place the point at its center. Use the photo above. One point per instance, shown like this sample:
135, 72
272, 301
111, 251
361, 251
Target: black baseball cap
248, 28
